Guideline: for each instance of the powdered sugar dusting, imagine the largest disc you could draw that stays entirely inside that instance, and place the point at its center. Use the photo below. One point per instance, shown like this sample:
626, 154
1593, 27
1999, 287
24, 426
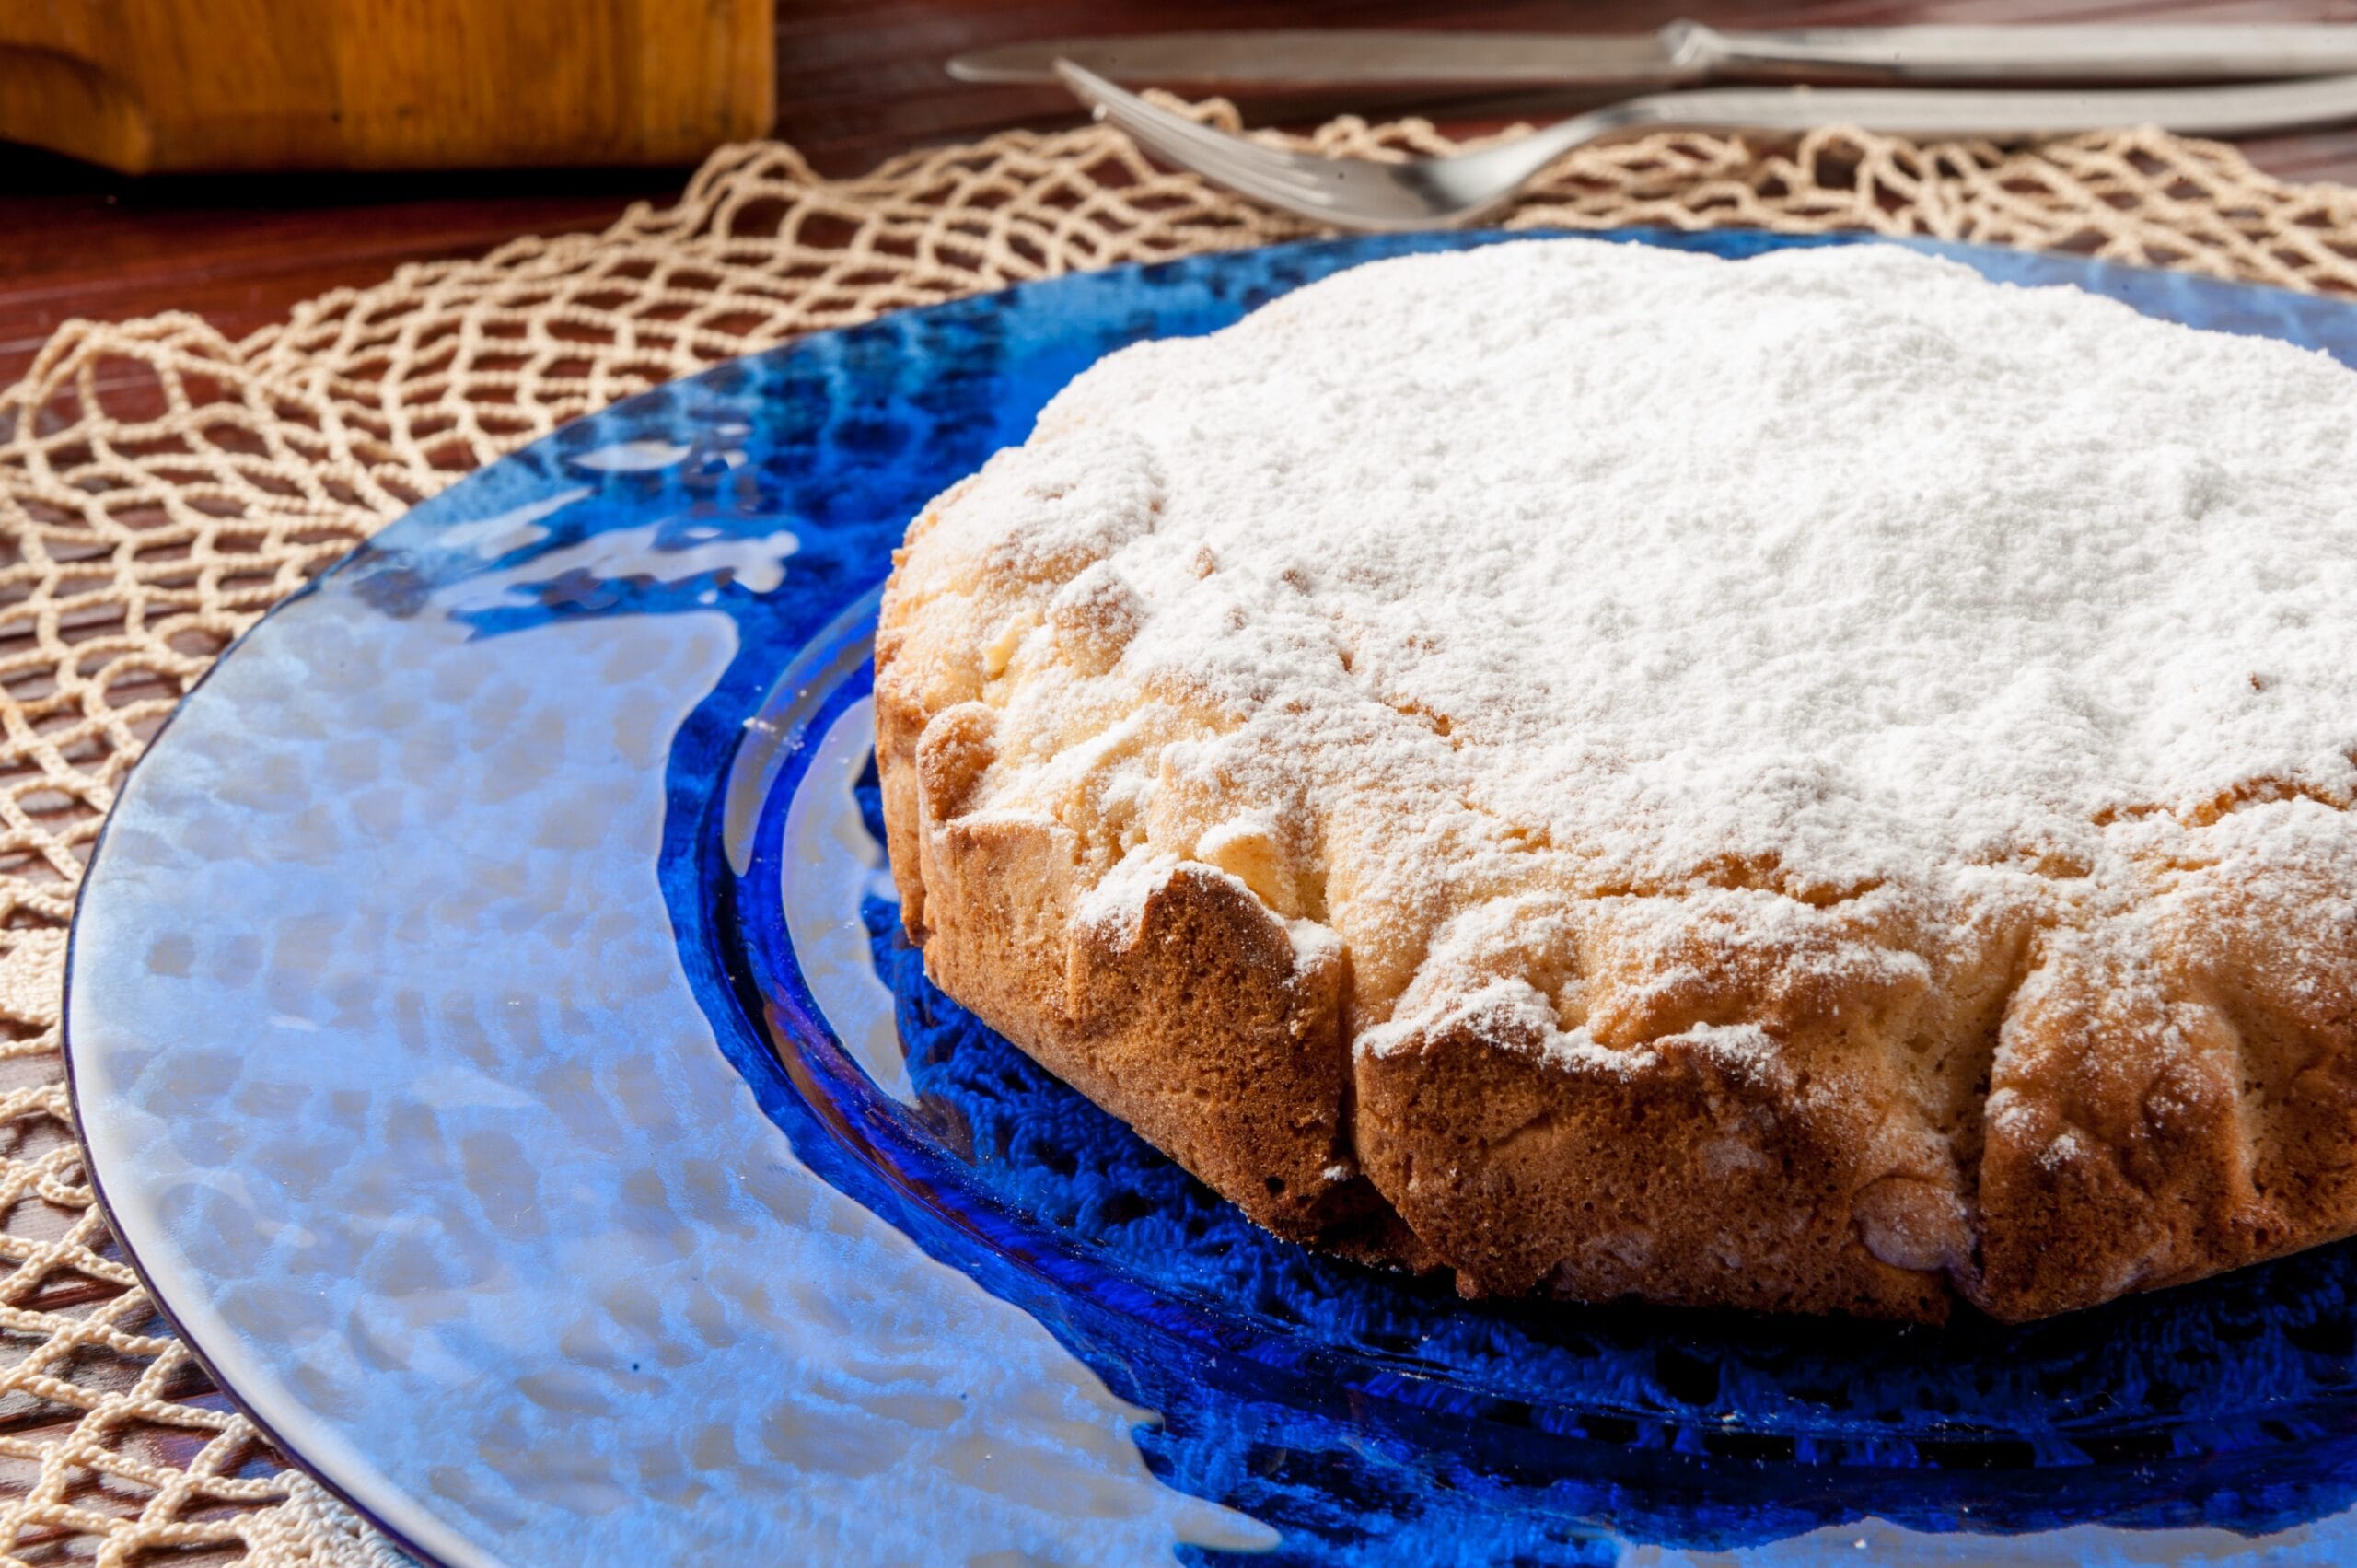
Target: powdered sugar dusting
1837, 581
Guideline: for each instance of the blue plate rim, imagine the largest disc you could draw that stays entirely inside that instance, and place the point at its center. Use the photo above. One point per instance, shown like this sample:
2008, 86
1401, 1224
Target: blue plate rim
453, 497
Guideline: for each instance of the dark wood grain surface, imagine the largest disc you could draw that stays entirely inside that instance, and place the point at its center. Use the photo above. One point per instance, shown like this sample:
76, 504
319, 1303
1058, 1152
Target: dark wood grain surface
857, 80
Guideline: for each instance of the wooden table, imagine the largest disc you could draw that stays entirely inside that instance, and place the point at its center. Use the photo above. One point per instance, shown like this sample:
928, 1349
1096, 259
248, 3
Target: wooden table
857, 80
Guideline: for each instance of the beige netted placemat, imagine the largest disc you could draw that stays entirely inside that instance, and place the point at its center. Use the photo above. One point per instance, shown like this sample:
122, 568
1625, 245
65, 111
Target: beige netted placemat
133, 548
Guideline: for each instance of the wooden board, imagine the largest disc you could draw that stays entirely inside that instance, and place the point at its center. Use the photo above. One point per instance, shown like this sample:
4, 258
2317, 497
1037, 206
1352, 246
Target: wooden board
142, 86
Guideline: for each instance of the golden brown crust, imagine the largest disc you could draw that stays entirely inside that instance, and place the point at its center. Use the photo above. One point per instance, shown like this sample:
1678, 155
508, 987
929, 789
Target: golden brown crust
1197, 1022
1699, 1177
2133, 1145
2015, 1121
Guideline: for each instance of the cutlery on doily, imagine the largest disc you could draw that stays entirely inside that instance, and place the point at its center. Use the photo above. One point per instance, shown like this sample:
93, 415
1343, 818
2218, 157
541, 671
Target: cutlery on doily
1360, 193
1685, 55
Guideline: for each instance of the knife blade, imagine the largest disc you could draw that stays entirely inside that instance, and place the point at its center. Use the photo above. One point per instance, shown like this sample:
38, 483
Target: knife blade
1684, 54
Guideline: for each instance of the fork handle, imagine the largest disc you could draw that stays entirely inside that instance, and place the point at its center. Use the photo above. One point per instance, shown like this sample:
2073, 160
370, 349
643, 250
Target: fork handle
2030, 54
2200, 112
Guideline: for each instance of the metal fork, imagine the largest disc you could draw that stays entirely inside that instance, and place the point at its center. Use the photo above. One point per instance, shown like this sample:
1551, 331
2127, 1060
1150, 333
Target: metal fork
1348, 192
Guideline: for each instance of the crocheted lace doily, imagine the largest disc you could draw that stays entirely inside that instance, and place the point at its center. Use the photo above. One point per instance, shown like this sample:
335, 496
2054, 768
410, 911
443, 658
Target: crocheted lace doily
132, 549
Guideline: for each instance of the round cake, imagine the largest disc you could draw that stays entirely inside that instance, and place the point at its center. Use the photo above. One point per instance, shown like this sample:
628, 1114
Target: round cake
1812, 783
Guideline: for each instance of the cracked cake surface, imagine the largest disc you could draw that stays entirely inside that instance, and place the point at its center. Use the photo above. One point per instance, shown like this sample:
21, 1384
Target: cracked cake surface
1817, 783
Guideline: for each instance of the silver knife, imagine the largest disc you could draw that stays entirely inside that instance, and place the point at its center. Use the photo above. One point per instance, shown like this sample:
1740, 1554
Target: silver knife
1686, 53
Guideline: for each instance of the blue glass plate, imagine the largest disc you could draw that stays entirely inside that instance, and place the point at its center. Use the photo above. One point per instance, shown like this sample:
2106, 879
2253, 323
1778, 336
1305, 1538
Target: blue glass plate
495, 1044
